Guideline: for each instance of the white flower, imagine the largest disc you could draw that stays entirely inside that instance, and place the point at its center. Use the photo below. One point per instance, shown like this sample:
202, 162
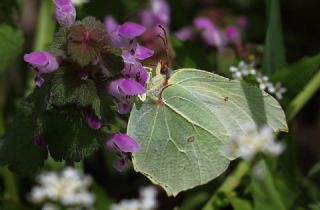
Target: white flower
147, 201
243, 70
148, 196
263, 82
251, 142
70, 188
279, 90
79, 2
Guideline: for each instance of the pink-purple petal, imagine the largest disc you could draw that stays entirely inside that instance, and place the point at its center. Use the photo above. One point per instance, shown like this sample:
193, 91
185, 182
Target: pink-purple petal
65, 15
204, 24
110, 24
233, 34
38, 81
161, 11
142, 53
131, 30
61, 3
125, 143
93, 121
120, 163
184, 33
124, 107
43, 62
135, 71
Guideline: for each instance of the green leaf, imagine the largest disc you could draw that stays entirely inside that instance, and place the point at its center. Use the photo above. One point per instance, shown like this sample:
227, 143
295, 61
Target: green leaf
11, 43
58, 46
18, 149
305, 69
68, 136
68, 89
239, 203
113, 60
264, 191
181, 138
82, 53
274, 53
314, 170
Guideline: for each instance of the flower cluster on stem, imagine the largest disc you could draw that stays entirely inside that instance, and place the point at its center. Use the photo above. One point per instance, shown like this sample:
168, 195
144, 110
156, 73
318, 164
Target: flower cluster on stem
246, 71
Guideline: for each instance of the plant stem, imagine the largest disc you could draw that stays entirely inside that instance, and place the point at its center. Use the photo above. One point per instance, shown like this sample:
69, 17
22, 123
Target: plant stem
45, 26
232, 181
303, 97
11, 192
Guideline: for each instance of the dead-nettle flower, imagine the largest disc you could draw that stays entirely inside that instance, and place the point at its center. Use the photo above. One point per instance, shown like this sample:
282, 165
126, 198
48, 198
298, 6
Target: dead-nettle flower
68, 189
252, 142
42, 63
212, 35
122, 144
134, 76
64, 13
157, 14
93, 121
147, 201
123, 36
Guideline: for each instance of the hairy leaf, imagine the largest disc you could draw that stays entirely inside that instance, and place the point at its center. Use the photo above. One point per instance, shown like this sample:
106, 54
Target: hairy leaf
68, 136
182, 137
68, 89
113, 61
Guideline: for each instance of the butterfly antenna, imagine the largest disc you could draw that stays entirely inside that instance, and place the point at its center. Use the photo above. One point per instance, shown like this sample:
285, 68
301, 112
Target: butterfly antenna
165, 41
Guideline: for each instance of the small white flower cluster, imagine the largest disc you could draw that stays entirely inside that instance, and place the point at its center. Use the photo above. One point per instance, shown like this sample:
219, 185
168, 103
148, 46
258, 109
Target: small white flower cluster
79, 2
252, 142
245, 70
68, 189
147, 201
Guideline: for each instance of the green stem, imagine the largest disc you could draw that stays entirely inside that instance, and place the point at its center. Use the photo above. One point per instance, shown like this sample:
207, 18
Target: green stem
45, 26
303, 97
232, 181
11, 192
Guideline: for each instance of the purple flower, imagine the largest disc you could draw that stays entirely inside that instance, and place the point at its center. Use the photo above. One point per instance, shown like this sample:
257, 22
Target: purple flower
136, 53
42, 62
243, 22
184, 33
157, 14
210, 33
123, 36
40, 142
135, 71
131, 30
123, 88
124, 107
122, 143
233, 34
64, 13
121, 163
93, 121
